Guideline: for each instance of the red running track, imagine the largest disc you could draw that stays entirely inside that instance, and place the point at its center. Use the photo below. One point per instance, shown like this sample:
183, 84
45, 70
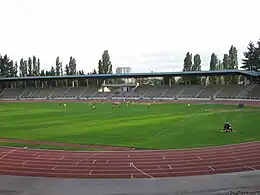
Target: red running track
130, 164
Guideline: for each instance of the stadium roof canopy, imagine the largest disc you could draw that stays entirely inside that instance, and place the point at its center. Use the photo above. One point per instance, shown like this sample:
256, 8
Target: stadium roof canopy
139, 75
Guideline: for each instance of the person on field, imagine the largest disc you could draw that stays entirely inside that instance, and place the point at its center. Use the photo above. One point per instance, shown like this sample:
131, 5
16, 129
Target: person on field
148, 105
94, 108
228, 127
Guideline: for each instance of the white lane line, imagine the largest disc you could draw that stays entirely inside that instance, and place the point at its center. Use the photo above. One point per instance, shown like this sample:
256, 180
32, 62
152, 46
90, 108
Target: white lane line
250, 167
132, 176
11, 151
35, 154
55, 167
199, 158
170, 166
77, 163
25, 162
211, 168
132, 165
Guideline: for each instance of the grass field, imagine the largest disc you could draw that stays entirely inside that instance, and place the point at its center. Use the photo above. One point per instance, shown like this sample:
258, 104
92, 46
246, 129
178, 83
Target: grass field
163, 126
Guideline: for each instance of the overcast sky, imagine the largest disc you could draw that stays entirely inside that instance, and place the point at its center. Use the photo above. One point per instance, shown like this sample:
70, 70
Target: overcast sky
146, 35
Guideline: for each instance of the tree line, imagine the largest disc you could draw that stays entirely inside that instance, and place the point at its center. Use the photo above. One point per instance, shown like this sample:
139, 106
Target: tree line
229, 62
31, 66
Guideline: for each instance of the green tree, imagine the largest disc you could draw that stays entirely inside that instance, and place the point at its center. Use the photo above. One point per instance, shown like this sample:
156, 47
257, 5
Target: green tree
25, 67
72, 66
252, 57
196, 67
52, 71
187, 67
23, 72
30, 68
213, 66
34, 62
105, 65
67, 69
42, 73
58, 66
15, 69
225, 65
100, 68
5, 66
233, 63
38, 67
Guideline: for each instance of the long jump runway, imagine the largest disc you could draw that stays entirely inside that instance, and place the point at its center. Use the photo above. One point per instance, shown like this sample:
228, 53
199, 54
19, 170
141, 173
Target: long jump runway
130, 164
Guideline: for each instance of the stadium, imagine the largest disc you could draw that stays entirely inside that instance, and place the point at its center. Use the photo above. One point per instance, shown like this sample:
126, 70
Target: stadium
152, 133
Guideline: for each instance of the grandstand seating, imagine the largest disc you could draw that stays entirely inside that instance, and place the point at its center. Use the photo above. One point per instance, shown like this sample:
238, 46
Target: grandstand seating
11, 93
192, 91
230, 91
210, 91
181, 91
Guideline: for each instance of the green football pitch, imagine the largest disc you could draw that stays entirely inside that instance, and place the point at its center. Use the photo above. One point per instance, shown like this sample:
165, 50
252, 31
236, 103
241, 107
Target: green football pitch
162, 126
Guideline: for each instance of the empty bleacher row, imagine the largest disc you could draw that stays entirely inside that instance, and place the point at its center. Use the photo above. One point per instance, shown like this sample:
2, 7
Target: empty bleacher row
182, 91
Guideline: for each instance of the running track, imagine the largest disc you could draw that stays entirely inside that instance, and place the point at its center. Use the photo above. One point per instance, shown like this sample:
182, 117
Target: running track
130, 164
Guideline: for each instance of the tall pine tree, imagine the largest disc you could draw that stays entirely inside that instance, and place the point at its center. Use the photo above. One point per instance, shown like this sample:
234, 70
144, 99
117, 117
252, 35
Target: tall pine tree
213, 66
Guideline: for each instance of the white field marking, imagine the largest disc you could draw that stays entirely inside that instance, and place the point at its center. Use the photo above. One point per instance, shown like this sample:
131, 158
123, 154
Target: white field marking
250, 167
11, 151
95, 154
170, 166
55, 167
94, 161
132, 165
90, 172
199, 158
61, 157
132, 176
25, 162
211, 168
107, 161
160, 132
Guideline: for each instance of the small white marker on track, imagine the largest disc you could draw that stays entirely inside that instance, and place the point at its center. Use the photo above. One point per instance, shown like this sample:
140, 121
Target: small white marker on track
211, 168
94, 161
90, 172
170, 166
55, 167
